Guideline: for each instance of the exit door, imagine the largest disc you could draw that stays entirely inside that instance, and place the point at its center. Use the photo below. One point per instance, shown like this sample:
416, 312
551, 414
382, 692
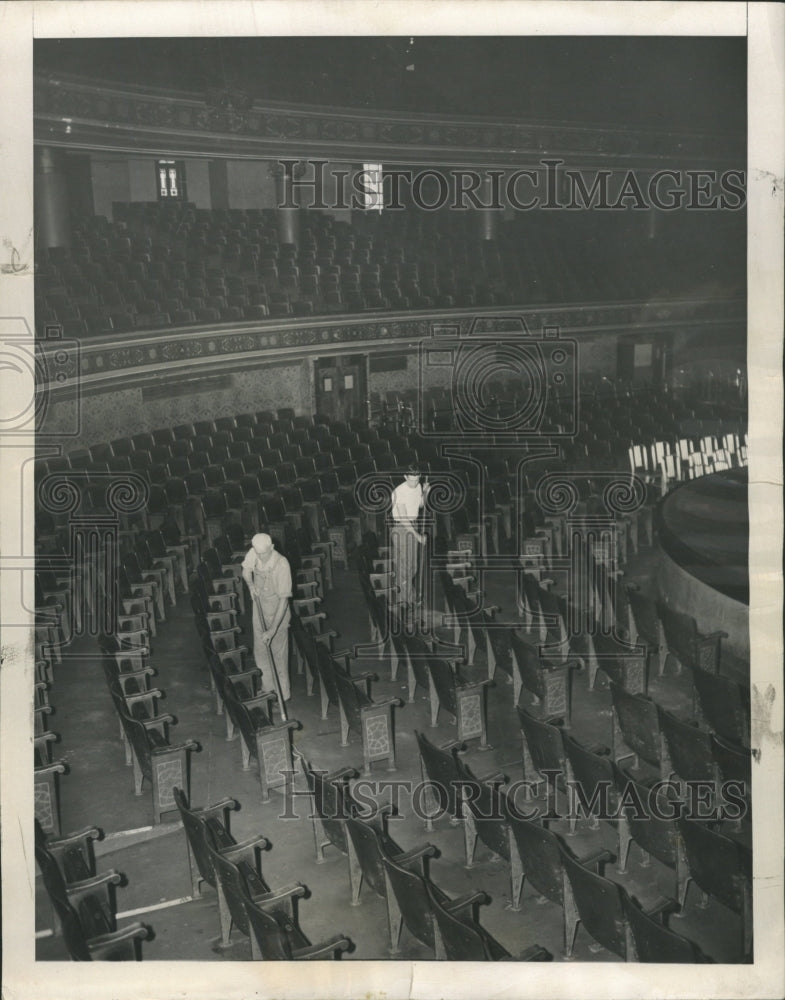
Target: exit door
341, 387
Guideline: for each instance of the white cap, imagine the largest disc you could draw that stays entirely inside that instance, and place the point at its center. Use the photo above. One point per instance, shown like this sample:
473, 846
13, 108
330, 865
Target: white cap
262, 544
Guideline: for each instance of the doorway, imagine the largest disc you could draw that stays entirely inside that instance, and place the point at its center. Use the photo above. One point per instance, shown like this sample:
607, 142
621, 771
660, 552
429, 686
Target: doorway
342, 387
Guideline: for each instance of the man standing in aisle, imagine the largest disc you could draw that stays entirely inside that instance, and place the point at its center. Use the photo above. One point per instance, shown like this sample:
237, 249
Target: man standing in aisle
407, 501
269, 580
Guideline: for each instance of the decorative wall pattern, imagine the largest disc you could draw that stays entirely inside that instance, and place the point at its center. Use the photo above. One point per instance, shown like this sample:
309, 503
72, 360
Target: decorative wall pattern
125, 112
116, 413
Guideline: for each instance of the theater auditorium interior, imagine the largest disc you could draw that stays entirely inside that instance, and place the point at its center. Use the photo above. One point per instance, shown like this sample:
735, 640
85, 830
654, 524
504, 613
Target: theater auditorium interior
544, 756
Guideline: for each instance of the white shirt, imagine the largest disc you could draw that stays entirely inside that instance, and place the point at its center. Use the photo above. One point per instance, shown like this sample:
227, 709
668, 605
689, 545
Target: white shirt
406, 502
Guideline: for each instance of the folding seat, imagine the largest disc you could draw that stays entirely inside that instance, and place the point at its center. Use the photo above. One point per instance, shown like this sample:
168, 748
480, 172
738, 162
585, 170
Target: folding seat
215, 476
408, 900
721, 868
204, 427
163, 436
636, 731
243, 434
724, 704
218, 454
251, 464
122, 446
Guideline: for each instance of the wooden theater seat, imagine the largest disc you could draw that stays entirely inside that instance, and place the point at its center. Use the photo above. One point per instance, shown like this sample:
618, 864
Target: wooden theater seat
154, 758
458, 938
268, 742
721, 868
656, 835
636, 731
369, 719
276, 936
409, 902
724, 705
597, 904
87, 913
681, 639
652, 941
548, 682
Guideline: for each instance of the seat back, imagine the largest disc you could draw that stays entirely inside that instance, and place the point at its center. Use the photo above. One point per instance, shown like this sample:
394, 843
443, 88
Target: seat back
621, 662
644, 615
544, 741
444, 680
734, 762
725, 706
599, 905
539, 852
528, 661
413, 899
592, 773
418, 654
233, 886
689, 748
464, 940
442, 769
198, 837
370, 843
333, 804
351, 698
487, 813
681, 634
653, 942
637, 720
326, 668
271, 930
656, 835
720, 867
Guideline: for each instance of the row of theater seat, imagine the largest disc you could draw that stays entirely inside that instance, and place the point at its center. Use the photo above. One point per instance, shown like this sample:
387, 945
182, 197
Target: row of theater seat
154, 267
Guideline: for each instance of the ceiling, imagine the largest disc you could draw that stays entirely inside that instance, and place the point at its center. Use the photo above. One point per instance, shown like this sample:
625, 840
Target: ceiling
672, 83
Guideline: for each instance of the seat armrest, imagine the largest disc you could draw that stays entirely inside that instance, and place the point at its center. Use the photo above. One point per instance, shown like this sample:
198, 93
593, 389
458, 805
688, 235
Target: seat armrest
497, 778
261, 842
317, 951
186, 745
478, 898
662, 908
416, 854
598, 857
535, 954
150, 723
397, 702
218, 807
453, 745
366, 675
294, 890
110, 877
130, 932
89, 833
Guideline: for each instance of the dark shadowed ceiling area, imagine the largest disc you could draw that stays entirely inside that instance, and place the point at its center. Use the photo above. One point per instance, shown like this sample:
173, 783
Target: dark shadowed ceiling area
681, 84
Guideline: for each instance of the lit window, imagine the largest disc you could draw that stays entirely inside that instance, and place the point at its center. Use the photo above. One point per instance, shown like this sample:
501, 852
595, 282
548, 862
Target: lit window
373, 193
170, 176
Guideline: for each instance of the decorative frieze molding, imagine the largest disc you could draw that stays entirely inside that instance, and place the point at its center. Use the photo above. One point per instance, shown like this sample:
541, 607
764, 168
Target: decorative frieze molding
90, 115
126, 359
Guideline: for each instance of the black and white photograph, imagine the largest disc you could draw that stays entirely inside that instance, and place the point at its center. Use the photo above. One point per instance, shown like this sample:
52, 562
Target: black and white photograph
392, 495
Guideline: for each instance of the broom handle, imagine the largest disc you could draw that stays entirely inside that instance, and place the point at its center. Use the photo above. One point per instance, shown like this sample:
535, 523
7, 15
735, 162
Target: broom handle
269, 644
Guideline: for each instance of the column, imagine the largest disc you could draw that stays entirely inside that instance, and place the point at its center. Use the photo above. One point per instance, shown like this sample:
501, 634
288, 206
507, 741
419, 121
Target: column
286, 208
487, 218
52, 218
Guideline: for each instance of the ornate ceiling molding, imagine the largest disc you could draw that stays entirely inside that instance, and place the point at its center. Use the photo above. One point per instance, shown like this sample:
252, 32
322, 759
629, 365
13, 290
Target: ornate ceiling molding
132, 359
88, 115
